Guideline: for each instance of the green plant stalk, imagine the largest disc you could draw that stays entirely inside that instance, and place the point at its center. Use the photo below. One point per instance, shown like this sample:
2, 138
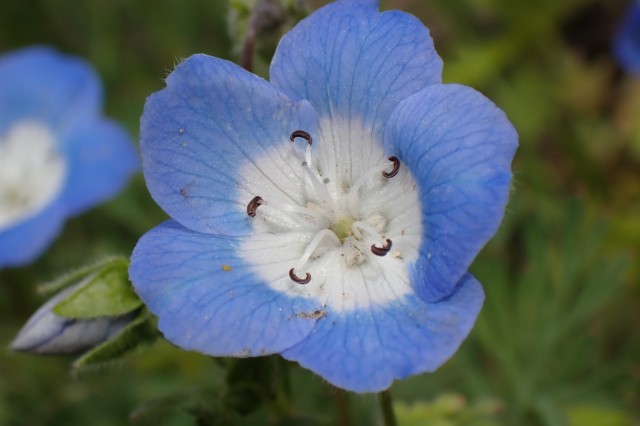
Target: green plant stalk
343, 409
386, 407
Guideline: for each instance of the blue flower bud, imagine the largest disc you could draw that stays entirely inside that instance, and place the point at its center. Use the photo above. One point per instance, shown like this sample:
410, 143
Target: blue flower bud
47, 333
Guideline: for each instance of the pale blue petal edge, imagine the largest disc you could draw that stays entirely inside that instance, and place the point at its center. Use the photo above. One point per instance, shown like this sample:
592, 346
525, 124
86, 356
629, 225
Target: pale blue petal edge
25, 240
210, 300
212, 118
353, 62
366, 350
459, 146
101, 159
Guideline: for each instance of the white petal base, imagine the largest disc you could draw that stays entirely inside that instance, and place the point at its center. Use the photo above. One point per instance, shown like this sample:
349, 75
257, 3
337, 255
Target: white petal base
345, 273
32, 171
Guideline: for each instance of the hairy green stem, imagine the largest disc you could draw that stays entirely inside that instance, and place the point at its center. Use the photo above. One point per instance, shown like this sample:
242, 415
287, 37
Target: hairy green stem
386, 406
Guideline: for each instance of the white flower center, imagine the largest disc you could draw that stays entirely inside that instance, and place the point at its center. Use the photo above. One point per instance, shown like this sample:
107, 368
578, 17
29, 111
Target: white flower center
328, 224
31, 171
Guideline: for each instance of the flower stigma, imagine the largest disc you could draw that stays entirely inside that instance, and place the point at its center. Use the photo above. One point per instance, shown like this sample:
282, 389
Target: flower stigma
342, 228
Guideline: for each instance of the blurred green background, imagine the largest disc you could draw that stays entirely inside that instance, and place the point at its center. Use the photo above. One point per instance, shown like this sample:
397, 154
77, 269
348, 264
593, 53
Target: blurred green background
558, 340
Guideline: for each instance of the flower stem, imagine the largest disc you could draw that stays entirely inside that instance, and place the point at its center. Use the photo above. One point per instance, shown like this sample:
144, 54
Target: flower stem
386, 406
343, 409
246, 60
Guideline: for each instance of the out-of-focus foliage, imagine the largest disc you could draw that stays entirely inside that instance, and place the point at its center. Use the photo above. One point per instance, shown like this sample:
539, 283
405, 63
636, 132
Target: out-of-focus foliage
449, 410
557, 342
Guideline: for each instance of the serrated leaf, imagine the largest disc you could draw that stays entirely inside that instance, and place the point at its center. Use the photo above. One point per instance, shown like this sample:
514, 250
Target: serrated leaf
106, 292
140, 333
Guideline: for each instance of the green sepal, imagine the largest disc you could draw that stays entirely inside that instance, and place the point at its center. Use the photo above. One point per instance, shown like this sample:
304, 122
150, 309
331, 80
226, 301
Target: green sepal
77, 275
137, 335
106, 291
252, 383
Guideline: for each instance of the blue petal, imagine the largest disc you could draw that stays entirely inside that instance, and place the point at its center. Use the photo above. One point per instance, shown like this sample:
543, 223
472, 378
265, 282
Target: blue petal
24, 241
209, 300
212, 118
43, 85
458, 145
101, 158
626, 43
364, 351
350, 60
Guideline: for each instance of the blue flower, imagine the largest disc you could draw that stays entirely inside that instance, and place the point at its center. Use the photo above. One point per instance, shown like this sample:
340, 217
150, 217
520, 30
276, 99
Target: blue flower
626, 43
331, 214
58, 155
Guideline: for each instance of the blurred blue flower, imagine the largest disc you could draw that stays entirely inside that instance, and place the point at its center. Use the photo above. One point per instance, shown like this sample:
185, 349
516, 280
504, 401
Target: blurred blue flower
47, 333
626, 43
58, 155
330, 215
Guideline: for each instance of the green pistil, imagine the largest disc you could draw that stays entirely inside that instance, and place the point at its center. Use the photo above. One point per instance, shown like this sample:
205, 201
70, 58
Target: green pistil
342, 228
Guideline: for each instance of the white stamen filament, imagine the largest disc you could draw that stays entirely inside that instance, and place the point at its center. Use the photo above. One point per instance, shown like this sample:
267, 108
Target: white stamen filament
352, 200
313, 237
321, 190
313, 245
307, 155
358, 225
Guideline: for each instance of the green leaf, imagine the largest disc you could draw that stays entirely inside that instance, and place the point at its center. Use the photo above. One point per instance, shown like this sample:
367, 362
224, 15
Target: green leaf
140, 333
105, 292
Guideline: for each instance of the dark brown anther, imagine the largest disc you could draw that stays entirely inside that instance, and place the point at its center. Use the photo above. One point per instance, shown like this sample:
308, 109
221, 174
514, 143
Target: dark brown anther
381, 251
394, 171
297, 279
301, 134
253, 205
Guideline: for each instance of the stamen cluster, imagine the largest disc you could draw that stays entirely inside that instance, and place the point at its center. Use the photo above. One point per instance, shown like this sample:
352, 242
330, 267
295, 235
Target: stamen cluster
357, 228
